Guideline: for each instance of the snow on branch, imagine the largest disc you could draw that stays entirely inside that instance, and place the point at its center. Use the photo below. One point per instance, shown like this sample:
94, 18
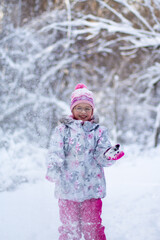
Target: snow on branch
136, 13
69, 20
114, 11
135, 36
143, 86
138, 37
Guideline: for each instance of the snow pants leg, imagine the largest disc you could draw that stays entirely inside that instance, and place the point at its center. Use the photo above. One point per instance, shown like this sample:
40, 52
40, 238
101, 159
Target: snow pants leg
70, 218
81, 217
91, 220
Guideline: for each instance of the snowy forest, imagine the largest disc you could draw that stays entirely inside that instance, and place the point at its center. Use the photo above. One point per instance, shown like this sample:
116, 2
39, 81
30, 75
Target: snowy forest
47, 47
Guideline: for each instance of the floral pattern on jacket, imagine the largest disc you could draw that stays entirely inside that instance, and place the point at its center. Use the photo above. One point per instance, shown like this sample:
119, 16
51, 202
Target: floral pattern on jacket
76, 160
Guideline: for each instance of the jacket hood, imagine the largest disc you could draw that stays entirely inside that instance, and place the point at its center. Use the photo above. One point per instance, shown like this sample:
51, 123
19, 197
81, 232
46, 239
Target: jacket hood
73, 123
69, 119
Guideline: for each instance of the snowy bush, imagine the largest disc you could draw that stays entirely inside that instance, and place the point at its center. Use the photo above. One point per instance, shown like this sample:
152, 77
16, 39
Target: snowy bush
21, 161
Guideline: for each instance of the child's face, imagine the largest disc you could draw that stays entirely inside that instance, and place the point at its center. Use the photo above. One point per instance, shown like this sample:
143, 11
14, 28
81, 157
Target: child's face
83, 112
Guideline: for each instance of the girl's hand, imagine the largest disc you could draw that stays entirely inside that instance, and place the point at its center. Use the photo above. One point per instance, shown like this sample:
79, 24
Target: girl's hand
114, 153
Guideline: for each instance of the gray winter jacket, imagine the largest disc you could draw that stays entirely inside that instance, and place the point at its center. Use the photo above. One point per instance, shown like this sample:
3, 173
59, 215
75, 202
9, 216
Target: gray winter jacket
76, 160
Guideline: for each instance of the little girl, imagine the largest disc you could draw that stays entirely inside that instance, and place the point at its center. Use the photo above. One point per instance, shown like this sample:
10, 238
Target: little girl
78, 152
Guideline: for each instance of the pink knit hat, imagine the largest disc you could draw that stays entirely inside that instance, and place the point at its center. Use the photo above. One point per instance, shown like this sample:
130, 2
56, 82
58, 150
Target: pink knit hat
81, 95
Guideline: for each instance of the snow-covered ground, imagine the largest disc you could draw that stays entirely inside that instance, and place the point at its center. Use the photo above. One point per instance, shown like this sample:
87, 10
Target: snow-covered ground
131, 210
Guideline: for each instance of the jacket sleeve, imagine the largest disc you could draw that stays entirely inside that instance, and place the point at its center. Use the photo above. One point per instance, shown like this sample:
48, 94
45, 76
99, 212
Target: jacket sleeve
102, 145
55, 157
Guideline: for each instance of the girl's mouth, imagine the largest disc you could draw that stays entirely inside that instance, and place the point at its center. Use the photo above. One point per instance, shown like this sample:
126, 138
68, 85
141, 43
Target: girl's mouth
83, 117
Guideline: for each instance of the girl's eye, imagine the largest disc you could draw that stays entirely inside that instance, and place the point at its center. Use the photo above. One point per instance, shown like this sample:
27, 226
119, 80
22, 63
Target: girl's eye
79, 109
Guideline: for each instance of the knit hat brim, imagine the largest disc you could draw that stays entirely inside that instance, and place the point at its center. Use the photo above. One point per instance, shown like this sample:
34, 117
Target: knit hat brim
81, 101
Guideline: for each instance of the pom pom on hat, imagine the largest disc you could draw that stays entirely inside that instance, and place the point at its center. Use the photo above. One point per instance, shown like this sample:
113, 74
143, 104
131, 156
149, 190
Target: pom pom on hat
80, 85
81, 94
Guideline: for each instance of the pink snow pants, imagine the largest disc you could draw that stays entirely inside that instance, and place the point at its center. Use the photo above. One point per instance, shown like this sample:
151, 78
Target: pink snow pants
81, 218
